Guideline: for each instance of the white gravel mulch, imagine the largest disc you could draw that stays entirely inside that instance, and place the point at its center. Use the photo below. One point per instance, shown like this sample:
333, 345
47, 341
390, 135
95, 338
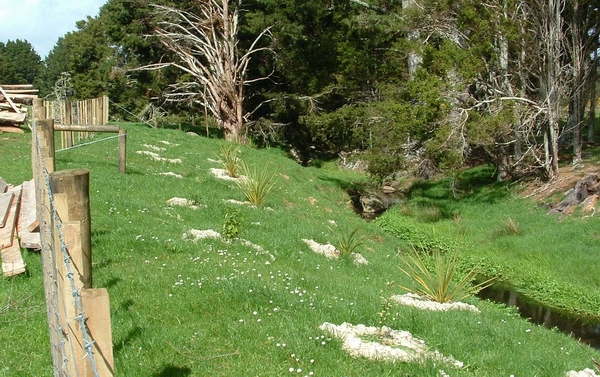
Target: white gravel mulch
156, 157
195, 235
183, 202
329, 251
413, 299
222, 174
154, 147
171, 174
583, 373
393, 345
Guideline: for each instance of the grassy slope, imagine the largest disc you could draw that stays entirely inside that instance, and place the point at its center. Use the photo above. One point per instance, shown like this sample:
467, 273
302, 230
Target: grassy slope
181, 308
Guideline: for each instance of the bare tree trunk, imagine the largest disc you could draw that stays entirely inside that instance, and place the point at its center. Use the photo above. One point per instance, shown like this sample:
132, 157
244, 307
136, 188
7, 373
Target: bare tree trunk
206, 45
593, 96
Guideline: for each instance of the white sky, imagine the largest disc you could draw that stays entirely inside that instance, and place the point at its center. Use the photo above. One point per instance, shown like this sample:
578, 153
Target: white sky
42, 22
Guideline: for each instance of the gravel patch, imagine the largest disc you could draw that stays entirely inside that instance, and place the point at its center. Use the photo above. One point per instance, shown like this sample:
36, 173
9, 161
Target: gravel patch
392, 345
413, 299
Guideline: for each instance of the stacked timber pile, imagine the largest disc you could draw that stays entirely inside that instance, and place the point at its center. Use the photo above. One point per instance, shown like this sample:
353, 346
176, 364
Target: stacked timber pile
18, 225
12, 110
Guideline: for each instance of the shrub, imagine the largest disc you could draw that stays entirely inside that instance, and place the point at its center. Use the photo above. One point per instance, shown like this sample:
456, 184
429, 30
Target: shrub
232, 224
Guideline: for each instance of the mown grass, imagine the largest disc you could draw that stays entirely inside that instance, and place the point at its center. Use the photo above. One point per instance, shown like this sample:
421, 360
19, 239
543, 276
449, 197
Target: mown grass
221, 308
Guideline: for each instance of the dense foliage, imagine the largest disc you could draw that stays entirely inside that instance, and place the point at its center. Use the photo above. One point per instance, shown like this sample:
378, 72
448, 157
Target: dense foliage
403, 83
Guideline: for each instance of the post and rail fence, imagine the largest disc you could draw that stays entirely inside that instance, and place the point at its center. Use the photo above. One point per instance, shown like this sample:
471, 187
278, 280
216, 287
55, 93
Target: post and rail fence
76, 128
78, 315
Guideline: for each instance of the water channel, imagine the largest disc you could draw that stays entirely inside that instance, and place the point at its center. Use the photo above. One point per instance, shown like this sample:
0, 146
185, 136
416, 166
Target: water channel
584, 329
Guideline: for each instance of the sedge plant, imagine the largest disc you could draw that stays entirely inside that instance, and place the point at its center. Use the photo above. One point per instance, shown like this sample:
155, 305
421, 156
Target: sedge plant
256, 184
438, 278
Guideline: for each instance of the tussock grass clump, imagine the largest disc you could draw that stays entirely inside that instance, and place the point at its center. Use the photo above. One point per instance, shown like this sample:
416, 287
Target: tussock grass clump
256, 183
511, 226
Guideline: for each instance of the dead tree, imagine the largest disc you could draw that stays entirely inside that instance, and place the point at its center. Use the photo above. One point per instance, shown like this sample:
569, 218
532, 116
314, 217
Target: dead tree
205, 43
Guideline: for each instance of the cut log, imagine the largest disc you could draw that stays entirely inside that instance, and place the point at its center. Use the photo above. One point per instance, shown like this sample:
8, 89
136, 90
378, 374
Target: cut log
5, 203
21, 91
3, 186
16, 86
26, 99
28, 225
12, 118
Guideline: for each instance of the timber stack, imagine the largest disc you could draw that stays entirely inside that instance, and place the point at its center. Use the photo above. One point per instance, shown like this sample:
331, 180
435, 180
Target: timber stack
13, 101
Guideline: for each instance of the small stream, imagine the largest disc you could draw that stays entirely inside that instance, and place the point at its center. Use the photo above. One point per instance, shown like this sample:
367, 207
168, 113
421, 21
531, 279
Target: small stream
584, 329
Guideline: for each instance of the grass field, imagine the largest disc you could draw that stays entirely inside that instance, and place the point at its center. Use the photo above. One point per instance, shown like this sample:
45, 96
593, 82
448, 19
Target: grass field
217, 307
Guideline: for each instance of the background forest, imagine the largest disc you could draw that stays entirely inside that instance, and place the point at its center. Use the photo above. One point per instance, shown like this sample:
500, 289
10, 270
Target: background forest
422, 85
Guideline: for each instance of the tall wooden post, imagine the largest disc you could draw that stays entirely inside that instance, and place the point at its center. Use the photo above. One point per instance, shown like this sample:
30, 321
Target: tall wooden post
122, 151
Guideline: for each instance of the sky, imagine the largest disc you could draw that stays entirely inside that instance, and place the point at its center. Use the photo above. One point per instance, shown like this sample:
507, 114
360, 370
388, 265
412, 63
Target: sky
42, 22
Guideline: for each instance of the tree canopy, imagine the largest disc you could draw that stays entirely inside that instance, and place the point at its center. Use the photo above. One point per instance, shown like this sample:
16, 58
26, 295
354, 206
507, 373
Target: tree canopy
442, 83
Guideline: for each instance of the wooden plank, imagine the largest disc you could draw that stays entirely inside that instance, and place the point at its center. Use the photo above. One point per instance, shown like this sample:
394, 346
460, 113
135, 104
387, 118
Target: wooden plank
7, 234
12, 260
5, 202
28, 225
96, 308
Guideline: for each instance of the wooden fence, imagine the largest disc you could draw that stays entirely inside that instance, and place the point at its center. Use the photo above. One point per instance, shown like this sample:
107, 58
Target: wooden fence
78, 314
70, 132
87, 112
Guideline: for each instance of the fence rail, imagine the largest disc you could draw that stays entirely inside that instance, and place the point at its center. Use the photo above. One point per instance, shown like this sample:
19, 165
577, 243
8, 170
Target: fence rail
78, 315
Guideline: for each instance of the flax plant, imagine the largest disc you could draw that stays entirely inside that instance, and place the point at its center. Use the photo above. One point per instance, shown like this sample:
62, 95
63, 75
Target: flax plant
230, 160
347, 243
438, 278
256, 184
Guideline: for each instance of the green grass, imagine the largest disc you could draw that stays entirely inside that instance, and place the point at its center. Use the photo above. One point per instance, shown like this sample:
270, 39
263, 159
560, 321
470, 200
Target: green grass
219, 307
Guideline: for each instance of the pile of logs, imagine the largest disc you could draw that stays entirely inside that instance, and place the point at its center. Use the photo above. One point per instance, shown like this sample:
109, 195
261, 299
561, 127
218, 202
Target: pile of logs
12, 110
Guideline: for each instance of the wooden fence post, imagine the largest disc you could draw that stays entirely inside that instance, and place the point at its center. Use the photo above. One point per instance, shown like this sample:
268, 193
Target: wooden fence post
122, 151
46, 135
71, 197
